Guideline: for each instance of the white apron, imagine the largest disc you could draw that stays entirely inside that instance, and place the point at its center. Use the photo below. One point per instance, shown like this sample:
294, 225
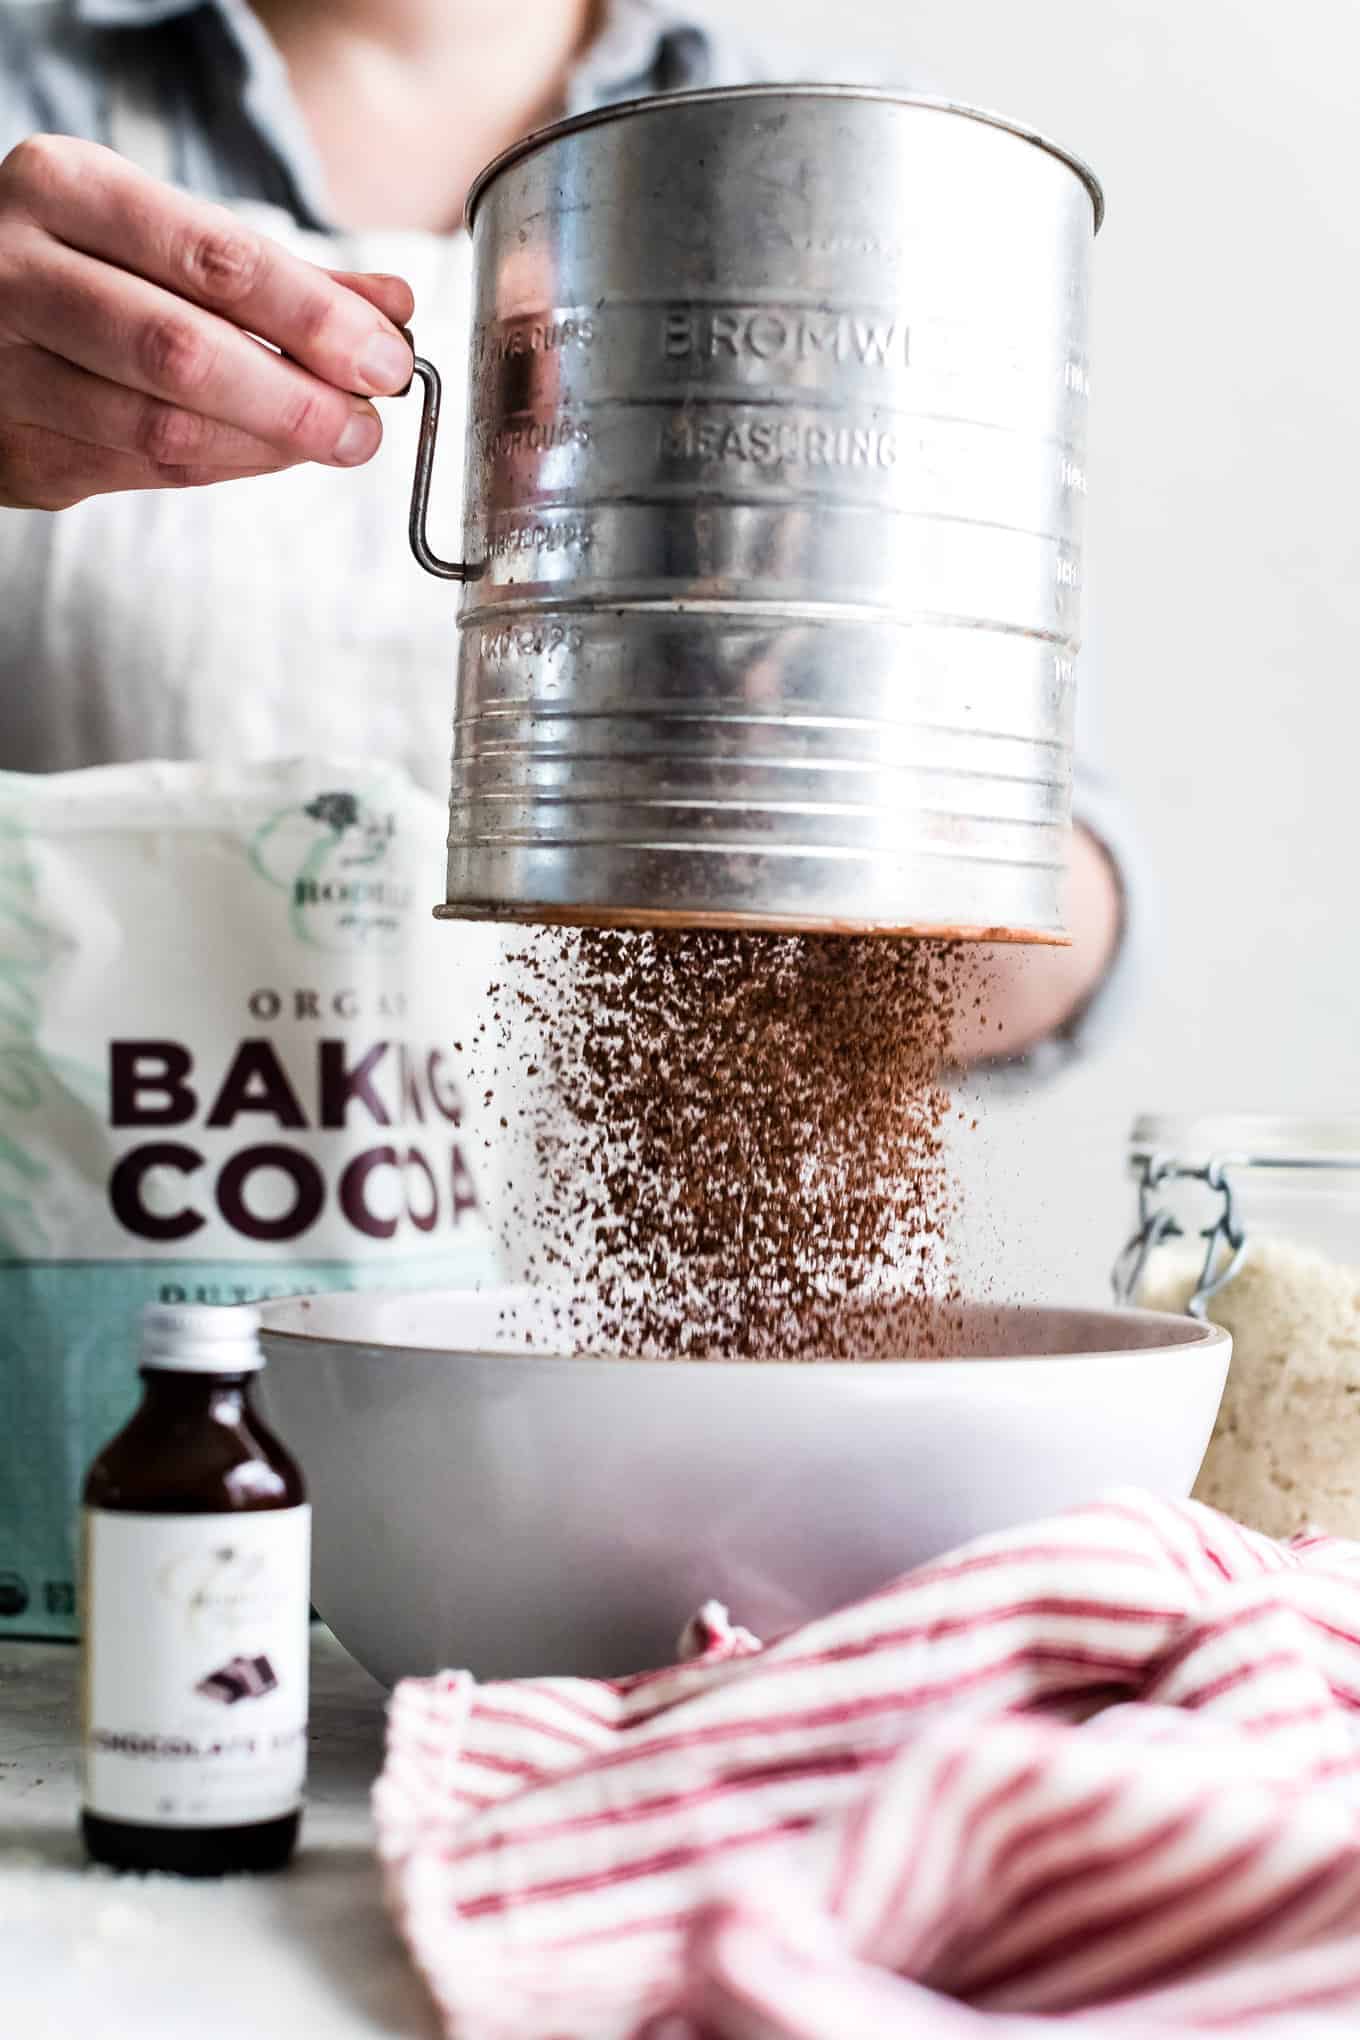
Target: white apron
257, 619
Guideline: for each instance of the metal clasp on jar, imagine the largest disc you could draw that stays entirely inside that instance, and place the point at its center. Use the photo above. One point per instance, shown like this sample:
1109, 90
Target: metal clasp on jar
1225, 1241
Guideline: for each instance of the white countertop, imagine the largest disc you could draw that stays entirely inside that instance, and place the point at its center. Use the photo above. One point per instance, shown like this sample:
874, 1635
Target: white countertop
88, 1955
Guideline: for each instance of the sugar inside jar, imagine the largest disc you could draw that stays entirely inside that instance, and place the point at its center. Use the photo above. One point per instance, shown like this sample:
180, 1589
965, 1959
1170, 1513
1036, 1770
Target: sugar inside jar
1254, 1222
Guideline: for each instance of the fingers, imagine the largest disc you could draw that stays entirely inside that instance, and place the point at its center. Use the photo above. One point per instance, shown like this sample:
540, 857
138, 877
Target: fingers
37, 388
104, 208
44, 470
156, 341
130, 332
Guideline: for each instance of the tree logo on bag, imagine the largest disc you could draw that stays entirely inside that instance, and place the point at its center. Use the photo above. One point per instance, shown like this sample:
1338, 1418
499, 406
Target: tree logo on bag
333, 858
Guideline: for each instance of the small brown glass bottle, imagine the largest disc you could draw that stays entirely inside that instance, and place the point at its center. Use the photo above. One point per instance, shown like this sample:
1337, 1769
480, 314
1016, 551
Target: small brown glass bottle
196, 1539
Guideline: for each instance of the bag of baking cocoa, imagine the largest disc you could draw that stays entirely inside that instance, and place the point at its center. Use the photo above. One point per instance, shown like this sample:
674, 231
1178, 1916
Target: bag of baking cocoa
233, 1046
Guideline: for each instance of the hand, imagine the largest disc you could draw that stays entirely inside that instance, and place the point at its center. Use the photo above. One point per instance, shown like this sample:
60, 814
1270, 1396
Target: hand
1026, 992
129, 356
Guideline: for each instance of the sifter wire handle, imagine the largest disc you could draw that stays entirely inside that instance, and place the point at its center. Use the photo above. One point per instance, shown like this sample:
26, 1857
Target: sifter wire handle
443, 570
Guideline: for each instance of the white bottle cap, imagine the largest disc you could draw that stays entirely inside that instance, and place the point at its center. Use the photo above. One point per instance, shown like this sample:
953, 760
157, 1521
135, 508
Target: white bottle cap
202, 1338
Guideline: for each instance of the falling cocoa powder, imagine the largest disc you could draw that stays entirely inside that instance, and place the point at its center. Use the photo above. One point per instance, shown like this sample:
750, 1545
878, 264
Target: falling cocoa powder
732, 1144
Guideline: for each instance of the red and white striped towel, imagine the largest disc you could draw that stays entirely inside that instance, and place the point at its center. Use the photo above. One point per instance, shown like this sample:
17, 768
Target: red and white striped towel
1104, 1769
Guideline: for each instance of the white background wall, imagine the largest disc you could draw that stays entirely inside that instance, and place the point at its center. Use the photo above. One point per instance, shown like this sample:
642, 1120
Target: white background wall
1224, 551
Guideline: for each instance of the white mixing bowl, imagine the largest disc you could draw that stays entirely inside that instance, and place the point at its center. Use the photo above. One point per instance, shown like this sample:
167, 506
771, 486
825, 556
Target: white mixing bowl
522, 1513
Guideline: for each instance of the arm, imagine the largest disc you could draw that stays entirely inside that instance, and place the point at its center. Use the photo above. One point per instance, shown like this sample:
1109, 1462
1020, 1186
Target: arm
1031, 992
128, 356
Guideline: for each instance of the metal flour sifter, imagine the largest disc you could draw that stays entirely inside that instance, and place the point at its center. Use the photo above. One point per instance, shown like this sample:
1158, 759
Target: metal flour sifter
772, 519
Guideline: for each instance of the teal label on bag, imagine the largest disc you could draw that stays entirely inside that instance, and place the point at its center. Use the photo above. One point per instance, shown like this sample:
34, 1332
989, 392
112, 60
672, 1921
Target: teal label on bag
234, 1064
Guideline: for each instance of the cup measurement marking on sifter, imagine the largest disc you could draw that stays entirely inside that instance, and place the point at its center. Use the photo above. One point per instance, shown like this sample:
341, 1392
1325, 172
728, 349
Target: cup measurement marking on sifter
776, 519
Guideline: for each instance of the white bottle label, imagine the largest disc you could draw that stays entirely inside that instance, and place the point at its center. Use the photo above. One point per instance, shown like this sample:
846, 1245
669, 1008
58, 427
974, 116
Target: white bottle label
195, 1701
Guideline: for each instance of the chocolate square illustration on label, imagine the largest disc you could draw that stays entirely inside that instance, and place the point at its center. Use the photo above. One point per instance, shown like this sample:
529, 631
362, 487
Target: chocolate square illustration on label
243, 1678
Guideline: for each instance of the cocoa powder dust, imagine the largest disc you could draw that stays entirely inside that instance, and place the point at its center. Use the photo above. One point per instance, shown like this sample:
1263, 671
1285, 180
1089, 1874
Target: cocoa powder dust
730, 1144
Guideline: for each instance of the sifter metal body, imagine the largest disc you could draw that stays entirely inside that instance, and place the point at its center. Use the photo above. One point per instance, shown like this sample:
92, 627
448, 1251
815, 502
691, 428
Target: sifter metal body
773, 513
